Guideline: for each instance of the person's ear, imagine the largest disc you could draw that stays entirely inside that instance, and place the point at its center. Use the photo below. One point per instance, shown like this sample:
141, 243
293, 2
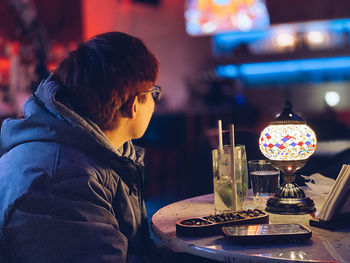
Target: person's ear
130, 108
134, 107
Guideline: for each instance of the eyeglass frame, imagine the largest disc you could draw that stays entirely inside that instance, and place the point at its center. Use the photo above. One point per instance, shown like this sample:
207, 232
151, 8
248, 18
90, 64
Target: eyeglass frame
155, 90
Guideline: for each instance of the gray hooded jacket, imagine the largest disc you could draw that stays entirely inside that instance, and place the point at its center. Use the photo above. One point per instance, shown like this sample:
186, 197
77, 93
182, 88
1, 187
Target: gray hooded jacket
66, 194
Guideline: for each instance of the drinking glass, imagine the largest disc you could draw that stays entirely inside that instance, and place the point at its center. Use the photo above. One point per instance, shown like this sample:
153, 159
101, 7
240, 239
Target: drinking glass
265, 180
223, 179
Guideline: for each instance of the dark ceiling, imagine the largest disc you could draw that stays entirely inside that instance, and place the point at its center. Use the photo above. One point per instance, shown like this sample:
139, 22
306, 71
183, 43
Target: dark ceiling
290, 11
60, 18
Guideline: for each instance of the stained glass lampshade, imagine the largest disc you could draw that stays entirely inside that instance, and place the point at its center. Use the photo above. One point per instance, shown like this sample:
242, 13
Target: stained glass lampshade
288, 142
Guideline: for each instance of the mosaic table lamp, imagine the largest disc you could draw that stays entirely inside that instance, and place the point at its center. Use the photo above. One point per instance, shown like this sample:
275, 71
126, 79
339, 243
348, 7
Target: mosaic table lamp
288, 142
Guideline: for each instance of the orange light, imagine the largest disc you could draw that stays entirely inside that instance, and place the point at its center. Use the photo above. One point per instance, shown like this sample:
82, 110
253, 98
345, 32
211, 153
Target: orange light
4, 64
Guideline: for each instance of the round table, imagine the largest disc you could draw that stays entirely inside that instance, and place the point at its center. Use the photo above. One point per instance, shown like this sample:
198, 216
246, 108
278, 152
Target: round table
324, 245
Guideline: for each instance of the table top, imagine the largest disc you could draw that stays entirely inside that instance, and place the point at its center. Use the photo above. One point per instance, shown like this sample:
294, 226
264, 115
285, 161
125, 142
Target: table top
324, 245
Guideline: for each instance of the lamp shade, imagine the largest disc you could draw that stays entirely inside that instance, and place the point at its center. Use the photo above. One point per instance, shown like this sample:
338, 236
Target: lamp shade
287, 142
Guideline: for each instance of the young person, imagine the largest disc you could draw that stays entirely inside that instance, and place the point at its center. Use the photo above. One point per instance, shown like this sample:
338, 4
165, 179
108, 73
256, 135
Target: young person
71, 181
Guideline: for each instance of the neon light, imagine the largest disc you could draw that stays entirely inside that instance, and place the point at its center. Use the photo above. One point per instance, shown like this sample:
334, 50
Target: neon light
229, 71
295, 65
278, 68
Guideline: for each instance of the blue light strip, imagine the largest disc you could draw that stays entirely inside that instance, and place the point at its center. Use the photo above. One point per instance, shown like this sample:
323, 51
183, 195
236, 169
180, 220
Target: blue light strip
227, 71
268, 69
241, 36
295, 66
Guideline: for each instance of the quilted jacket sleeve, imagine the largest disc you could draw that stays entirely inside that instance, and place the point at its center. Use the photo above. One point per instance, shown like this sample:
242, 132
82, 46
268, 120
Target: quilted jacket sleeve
64, 223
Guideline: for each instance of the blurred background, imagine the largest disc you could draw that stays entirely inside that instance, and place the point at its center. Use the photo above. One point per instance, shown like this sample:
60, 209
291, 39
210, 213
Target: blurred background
234, 60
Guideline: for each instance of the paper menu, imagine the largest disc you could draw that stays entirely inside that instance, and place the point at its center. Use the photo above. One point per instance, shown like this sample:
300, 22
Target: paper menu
338, 199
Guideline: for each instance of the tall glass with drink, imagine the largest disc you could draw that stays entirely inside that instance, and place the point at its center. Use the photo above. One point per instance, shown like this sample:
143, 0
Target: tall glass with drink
265, 179
241, 174
224, 190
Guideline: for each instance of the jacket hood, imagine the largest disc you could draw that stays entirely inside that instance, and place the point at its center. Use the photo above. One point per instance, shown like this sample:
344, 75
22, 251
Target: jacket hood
46, 119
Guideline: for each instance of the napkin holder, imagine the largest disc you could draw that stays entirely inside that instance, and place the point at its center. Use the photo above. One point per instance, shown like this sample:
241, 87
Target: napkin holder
335, 212
342, 221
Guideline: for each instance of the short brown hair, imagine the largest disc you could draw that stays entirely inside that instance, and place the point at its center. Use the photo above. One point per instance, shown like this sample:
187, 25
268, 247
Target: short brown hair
103, 73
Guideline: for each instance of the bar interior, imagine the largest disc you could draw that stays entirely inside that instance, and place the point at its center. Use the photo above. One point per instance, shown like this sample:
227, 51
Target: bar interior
248, 149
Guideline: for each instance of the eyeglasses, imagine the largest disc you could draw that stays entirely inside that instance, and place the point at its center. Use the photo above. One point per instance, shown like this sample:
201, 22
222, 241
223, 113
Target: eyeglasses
156, 92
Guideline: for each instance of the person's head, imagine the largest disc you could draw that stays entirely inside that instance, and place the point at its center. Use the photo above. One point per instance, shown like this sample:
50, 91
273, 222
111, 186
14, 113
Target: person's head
105, 76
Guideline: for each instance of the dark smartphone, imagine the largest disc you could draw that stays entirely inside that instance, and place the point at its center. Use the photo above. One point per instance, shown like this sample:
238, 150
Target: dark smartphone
267, 233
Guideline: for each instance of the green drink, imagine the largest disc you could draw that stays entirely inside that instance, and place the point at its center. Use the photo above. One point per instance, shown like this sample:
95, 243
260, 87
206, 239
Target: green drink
224, 197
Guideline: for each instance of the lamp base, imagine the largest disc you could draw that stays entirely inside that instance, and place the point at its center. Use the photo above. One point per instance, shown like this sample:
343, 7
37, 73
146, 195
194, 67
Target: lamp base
290, 206
291, 200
